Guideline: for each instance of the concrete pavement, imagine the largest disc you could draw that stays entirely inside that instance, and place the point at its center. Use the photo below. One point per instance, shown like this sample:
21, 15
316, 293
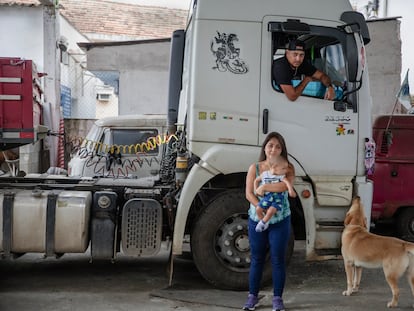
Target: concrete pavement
72, 283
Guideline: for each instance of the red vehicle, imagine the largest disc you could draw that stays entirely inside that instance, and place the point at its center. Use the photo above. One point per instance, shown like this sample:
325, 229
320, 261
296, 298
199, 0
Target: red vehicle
20, 102
393, 174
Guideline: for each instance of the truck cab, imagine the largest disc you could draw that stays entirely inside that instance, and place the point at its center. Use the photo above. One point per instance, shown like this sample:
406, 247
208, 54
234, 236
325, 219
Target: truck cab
228, 104
393, 200
121, 147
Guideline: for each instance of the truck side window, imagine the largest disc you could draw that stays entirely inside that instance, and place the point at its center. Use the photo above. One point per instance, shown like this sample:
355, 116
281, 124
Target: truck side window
325, 53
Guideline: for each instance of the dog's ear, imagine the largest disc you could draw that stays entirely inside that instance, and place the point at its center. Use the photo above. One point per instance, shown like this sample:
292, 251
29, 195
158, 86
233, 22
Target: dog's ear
347, 219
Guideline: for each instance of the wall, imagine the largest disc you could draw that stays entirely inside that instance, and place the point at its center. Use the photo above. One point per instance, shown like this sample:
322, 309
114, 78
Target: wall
29, 32
21, 36
402, 9
82, 83
384, 64
143, 73
21, 33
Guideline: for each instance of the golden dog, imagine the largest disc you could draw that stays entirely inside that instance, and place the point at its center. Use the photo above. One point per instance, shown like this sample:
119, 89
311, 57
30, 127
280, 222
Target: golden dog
363, 249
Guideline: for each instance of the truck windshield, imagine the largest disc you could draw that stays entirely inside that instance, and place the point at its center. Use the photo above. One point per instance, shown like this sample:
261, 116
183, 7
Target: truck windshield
135, 140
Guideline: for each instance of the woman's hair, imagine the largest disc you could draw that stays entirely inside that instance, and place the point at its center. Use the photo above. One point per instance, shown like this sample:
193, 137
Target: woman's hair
282, 143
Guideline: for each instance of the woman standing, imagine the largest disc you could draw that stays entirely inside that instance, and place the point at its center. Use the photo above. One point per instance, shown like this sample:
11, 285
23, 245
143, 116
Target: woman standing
276, 236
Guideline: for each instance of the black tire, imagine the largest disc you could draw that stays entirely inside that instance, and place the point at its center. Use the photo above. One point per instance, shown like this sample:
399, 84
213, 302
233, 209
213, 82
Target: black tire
298, 218
220, 246
290, 247
405, 224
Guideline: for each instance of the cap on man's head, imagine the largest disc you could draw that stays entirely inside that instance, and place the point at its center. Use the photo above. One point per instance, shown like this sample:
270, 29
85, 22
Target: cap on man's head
295, 45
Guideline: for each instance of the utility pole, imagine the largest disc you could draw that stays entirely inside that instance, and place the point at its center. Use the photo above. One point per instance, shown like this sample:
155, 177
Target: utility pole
52, 80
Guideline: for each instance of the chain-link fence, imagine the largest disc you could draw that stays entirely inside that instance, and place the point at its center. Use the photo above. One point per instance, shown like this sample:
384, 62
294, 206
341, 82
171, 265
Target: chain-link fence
91, 96
85, 97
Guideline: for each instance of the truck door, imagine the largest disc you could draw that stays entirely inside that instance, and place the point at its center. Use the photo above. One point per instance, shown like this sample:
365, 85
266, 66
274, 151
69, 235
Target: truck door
320, 136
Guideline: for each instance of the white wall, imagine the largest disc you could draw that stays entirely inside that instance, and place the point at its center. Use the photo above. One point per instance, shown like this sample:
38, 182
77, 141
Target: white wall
73, 36
405, 9
21, 33
24, 31
384, 64
143, 73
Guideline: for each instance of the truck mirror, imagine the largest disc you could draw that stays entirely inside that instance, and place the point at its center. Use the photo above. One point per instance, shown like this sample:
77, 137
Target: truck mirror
352, 57
357, 22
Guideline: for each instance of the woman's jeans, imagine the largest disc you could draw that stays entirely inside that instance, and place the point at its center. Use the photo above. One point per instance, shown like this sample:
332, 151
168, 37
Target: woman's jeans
276, 239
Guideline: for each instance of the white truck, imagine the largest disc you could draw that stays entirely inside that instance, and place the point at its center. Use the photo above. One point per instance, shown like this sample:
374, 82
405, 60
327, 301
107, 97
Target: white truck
121, 147
222, 104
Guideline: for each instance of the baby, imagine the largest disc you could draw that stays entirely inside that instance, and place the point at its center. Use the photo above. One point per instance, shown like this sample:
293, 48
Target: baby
272, 202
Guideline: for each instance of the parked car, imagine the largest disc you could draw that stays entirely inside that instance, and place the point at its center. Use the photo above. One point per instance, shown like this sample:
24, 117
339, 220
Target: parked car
393, 198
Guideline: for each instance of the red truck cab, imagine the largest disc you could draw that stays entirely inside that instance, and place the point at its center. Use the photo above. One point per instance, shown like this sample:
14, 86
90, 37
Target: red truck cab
393, 174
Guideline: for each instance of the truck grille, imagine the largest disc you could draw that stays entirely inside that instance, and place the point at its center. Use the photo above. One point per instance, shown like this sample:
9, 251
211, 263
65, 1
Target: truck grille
141, 227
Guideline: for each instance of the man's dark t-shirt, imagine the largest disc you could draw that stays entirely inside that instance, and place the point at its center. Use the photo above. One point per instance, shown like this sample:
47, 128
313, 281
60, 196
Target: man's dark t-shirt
283, 73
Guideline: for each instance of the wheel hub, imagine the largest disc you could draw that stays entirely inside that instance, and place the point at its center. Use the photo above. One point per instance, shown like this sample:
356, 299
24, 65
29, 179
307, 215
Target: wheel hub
232, 243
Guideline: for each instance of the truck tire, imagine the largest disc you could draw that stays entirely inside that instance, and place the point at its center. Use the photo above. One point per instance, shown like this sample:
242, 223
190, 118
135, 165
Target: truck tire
405, 224
220, 245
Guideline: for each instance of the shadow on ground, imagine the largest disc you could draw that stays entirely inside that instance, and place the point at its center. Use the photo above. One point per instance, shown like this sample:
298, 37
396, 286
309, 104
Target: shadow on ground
309, 286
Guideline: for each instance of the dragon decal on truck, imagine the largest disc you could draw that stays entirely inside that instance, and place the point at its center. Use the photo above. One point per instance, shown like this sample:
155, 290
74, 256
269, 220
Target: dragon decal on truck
227, 54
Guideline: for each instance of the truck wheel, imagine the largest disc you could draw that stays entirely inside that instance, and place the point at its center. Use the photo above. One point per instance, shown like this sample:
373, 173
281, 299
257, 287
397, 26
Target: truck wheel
220, 244
405, 224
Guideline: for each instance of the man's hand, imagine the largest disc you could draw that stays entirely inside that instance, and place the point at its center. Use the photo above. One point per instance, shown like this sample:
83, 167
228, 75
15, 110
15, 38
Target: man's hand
261, 226
307, 79
330, 93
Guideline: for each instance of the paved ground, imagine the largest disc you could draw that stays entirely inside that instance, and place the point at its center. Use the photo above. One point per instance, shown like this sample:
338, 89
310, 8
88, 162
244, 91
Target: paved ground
72, 283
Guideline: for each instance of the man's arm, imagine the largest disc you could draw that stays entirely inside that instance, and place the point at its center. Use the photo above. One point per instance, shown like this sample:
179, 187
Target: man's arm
292, 93
325, 80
